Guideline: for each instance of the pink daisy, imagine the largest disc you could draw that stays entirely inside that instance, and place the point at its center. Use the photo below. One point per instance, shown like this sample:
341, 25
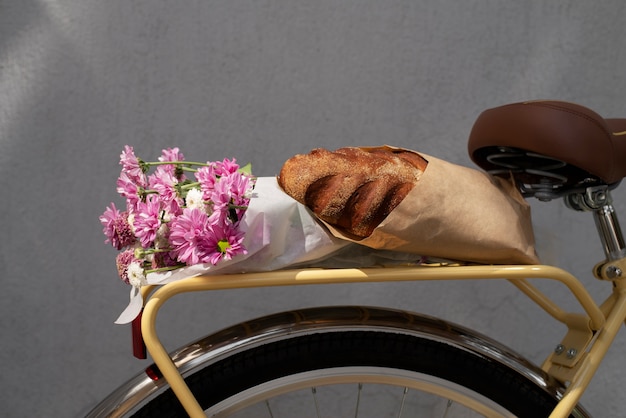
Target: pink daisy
164, 183
223, 168
222, 242
172, 154
147, 220
241, 187
132, 166
128, 188
221, 194
186, 233
231, 195
122, 261
116, 228
206, 177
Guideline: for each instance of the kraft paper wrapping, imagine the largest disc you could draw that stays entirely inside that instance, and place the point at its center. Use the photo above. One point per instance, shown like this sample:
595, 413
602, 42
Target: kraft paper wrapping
458, 213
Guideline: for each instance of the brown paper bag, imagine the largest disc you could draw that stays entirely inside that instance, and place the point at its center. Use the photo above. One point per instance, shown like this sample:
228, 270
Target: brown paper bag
458, 213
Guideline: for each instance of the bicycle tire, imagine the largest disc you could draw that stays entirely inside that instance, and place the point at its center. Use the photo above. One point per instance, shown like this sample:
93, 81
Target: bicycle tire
358, 354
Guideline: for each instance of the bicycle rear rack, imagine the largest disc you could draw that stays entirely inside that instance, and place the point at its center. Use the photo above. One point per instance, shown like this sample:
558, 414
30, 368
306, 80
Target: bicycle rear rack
575, 360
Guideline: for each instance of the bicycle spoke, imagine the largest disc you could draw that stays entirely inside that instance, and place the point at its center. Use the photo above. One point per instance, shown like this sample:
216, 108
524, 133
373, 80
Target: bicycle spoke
269, 409
406, 390
448, 406
317, 408
358, 400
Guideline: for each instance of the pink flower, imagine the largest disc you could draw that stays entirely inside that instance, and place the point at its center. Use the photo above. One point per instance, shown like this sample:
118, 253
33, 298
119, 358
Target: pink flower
197, 238
122, 261
231, 195
132, 166
222, 242
164, 259
164, 183
186, 233
108, 220
220, 215
172, 154
175, 220
221, 194
206, 177
128, 188
223, 168
241, 187
116, 228
147, 220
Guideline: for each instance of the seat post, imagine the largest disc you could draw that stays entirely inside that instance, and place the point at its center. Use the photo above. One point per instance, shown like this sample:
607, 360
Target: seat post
610, 232
598, 200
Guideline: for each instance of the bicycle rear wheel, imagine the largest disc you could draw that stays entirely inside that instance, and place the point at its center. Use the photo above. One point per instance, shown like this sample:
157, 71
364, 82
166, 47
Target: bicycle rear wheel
361, 362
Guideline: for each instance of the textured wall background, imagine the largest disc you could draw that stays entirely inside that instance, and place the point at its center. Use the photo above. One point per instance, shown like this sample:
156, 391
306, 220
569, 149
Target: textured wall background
261, 81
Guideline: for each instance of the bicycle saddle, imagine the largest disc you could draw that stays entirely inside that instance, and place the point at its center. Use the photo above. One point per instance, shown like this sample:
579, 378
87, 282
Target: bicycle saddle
549, 146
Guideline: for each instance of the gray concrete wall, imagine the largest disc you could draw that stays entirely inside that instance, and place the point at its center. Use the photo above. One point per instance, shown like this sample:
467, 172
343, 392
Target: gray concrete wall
261, 81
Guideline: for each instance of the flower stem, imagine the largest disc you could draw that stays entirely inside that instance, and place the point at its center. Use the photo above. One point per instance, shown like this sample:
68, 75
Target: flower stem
237, 207
162, 269
191, 185
181, 163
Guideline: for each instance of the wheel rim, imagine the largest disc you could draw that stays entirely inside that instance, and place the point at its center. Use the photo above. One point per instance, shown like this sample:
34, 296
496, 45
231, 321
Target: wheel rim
399, 392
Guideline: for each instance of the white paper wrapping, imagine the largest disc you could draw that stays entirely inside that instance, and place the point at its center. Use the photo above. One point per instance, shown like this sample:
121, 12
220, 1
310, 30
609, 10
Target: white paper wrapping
280, 232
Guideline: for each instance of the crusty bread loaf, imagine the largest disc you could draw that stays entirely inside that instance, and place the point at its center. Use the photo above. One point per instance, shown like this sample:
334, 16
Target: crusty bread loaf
353, 189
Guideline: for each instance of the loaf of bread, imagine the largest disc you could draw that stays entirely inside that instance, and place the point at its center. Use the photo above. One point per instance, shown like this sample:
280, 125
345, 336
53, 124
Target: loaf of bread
352, 189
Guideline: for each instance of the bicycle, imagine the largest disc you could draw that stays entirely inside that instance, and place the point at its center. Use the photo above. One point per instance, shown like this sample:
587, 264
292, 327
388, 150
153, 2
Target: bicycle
313, 356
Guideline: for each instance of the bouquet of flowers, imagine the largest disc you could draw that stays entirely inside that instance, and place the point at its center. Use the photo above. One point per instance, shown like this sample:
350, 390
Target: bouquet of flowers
178, 213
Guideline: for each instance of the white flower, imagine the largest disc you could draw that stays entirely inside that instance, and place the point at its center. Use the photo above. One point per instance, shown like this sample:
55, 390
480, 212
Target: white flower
248, 193
136, 275
194, 199
131, 221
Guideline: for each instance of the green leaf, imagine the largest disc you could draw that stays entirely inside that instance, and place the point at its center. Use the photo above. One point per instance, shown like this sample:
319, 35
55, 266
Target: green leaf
246, 169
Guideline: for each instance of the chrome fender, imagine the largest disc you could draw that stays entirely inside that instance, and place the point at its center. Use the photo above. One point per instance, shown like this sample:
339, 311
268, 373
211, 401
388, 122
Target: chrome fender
212, 348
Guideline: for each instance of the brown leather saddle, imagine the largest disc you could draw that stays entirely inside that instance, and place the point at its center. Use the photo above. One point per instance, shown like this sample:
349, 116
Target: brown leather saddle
552, 148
